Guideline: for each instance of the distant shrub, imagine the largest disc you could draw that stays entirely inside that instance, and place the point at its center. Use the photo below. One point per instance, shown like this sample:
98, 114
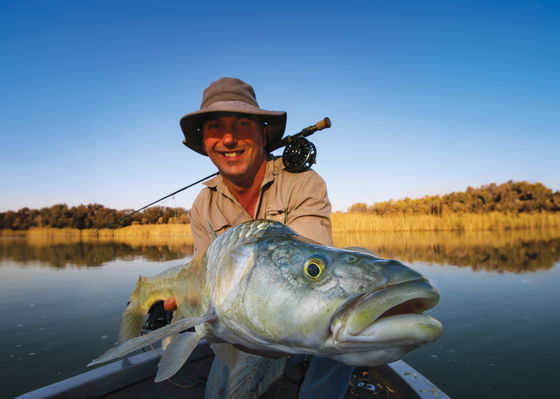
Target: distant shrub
88, 216
510, 197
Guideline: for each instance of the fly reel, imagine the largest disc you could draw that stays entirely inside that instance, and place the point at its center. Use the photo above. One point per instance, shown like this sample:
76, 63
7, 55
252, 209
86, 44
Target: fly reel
299, 155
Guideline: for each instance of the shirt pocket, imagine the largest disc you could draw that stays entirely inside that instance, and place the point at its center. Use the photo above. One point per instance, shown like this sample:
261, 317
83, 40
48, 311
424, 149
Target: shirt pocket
276, 213
218, 224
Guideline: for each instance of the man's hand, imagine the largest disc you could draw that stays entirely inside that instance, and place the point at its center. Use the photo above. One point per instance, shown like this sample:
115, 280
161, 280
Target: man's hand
170, 304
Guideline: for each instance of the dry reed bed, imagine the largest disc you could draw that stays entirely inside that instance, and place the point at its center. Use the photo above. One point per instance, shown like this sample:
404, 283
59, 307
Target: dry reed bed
360, 222
343, 223
451, 239
157, 234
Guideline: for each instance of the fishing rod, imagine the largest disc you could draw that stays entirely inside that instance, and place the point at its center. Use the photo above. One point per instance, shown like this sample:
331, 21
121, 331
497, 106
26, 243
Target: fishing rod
298, 156
156, 201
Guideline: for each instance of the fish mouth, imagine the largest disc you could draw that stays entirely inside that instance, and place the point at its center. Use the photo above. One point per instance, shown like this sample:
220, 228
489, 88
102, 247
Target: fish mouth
393, 314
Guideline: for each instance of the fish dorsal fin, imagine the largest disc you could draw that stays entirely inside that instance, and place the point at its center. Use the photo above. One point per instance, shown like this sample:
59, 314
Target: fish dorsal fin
253, 375
227, 354
361, 250
176, 354
144, 340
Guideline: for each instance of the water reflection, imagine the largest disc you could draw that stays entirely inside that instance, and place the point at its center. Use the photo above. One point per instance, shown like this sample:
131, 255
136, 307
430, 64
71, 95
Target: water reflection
507, 251
86, 254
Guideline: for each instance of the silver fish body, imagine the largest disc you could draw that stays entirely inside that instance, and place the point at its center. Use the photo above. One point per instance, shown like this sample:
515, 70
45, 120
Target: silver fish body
262, 286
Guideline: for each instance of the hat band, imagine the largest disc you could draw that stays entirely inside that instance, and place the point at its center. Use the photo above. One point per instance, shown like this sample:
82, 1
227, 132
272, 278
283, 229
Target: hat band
232, 106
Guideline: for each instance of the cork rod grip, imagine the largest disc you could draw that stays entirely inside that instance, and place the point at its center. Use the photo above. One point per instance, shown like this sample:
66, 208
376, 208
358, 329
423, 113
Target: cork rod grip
323, 124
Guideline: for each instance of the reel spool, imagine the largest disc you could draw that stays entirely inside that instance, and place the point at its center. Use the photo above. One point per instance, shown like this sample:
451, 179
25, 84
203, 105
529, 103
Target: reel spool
299, 155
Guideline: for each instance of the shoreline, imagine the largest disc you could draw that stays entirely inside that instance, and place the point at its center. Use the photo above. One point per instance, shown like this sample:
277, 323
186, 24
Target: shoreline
343, 223
156, 234
493, 221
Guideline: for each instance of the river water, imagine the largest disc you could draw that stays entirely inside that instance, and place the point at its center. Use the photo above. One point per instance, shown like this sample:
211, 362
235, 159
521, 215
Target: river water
60, 304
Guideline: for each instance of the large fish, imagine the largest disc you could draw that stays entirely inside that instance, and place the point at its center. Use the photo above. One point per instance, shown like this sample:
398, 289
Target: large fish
262, 286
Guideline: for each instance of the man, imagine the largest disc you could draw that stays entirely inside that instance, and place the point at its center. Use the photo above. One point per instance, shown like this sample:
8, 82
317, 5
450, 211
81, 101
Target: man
237, 135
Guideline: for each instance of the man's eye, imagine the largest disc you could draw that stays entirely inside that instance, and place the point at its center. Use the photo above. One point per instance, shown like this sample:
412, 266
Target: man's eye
212, 125
244, 123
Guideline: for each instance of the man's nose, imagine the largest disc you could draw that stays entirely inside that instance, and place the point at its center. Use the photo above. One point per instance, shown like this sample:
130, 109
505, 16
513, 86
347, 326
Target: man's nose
229, 139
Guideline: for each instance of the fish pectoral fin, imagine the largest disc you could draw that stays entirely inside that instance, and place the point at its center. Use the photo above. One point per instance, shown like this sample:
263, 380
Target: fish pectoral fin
176, 354
227, 354
144, 340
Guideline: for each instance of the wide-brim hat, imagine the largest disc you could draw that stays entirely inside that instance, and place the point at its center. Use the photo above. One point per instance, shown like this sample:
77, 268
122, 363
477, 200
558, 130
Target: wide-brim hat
235, 96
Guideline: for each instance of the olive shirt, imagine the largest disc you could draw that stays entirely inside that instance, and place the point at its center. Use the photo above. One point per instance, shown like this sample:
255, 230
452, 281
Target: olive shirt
297, 199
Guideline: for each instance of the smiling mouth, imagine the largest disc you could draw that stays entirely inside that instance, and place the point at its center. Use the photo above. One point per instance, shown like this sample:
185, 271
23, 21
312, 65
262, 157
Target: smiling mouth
232, 154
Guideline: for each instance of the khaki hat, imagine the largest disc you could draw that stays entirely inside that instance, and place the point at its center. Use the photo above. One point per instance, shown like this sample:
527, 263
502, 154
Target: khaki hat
235, 96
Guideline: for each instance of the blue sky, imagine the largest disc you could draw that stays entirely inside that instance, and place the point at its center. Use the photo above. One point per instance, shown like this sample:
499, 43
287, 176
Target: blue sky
425, 97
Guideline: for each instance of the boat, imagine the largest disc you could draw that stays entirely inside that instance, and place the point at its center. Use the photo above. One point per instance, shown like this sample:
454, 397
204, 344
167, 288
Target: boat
133, 376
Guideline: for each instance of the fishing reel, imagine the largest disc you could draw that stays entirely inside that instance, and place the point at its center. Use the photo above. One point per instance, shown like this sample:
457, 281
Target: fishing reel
299, 155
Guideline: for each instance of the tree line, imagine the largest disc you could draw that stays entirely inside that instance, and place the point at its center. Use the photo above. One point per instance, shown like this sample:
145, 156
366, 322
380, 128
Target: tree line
88, 216
509, 197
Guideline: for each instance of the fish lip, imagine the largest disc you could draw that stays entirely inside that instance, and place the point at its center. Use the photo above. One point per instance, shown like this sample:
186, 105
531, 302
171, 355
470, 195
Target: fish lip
421, 296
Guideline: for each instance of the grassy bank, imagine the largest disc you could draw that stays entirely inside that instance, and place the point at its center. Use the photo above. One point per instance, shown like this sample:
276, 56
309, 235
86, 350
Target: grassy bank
494, 221
342, 223
154, 234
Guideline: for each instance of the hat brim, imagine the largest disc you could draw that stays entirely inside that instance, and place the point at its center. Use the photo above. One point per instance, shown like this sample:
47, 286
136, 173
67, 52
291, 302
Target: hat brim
191, 124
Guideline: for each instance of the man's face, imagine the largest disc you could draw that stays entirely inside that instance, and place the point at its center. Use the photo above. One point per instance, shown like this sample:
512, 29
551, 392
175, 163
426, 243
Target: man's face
235, 144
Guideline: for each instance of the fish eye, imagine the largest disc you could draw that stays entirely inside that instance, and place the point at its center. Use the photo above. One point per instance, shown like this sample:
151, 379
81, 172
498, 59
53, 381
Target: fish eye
314, 268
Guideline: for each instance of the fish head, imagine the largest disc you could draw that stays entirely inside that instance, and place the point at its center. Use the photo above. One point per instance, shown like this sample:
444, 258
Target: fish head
294, 295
